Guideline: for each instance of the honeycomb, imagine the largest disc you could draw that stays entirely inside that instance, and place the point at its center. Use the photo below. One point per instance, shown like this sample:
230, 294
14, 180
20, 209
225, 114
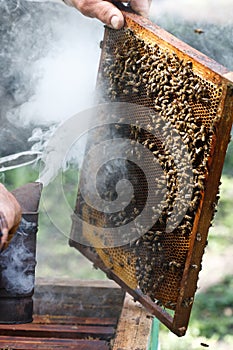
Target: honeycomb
134, 70
138, 67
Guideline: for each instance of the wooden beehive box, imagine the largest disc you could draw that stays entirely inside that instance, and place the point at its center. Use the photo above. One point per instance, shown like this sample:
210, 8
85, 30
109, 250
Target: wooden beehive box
84, 315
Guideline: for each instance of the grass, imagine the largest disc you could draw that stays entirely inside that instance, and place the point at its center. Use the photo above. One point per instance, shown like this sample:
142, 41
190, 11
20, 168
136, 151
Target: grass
215, 303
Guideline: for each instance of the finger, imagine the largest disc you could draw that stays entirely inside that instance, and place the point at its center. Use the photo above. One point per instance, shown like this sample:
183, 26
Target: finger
4, 236
142, 7
3, 222
105, 11
3, 229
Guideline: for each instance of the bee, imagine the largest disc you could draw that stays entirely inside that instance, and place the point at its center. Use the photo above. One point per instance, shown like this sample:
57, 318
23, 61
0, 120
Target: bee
204, 344
148, 268
205, 100
117, 126
106, 252
161, 279
125, 91
135, 90
198, 237
160, 248
199, 185
136, 211
187, 217
194, 266
121, 264
170, 304
174, 265
128, 260
159, 303
187, 302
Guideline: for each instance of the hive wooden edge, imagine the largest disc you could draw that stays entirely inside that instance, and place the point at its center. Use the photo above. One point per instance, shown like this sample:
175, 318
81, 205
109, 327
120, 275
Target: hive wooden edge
229, 76
79, 283
73, 297
134, 326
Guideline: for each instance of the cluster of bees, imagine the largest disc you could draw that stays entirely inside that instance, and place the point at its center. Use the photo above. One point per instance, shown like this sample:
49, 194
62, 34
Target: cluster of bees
135, 71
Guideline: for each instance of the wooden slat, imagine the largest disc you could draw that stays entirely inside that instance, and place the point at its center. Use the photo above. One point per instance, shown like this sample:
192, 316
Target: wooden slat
81, 325
78, 298
134, 327
23, 343
56, 319
58, 331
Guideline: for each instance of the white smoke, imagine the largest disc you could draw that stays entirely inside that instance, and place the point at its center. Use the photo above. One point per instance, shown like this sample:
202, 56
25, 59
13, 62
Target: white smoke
65, 75
18, 261
49, 56
207, 11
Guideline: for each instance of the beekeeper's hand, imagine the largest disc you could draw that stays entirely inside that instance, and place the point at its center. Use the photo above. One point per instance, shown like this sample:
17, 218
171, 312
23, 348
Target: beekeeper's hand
10, 215
107, 12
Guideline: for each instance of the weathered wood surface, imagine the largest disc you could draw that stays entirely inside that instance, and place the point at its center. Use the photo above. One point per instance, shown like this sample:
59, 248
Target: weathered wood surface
134, 327
24, 343
84, 315
53, 319
68, 315
78, 298
71, 331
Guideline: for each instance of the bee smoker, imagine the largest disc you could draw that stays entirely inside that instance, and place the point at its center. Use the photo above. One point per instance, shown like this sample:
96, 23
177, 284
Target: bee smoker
18, 261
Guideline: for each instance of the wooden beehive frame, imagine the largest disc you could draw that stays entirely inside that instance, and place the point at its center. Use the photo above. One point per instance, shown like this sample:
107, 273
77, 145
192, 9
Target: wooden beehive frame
219, 76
